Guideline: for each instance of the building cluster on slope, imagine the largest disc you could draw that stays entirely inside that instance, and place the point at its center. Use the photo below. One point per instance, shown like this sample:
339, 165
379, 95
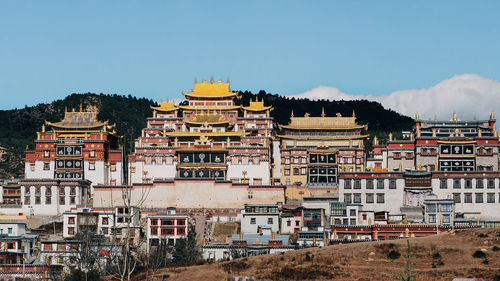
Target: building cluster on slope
308, 182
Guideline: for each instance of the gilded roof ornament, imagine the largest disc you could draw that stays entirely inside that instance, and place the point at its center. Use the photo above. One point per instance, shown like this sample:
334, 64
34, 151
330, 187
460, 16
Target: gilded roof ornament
417, 116
353, 113
492, 115
323, 112
211, 79
291, 115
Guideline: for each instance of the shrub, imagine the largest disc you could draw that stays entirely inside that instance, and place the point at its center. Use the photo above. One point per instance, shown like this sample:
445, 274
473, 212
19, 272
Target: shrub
436, 255
394, 255
482, 235
479, 254
496, 248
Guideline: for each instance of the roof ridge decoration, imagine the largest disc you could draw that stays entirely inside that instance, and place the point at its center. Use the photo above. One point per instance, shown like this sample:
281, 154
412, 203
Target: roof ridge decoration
257, 105
80, 120
323, 122
211, 90
165, 106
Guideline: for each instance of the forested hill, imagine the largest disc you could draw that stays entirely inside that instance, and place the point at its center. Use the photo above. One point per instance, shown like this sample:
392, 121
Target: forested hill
18, 127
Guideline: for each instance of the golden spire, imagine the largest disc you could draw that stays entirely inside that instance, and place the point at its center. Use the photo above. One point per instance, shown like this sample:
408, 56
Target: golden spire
492, 115
211, 79
43, 128
228, 79
322, 112
455, 117
390, 136
81, 107
474, 117
195, 80
436, 117
353, 113
375, 141
291, 115
417, 116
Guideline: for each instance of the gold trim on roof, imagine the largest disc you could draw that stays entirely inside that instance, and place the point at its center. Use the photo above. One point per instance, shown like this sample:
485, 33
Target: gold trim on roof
165, 106
211, 90
79, 120
321, 137
194, 108
323, 123
257, 106
194, 134
205, 119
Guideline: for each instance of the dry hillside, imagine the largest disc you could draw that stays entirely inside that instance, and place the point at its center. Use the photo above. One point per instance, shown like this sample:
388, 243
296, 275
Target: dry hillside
440, 257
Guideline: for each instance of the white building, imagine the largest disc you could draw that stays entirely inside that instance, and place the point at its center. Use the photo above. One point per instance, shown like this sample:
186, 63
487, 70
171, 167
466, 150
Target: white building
169, 227
257, 216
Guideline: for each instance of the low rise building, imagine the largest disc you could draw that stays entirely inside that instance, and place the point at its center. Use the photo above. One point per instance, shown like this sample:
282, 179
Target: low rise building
169, 227
258, 216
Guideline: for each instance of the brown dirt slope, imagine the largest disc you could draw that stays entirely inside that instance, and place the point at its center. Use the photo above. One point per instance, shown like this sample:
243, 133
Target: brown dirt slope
442, 257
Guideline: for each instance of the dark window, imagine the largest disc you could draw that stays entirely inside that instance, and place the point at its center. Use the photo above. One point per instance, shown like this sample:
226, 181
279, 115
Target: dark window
479, 198
392, 184
347, 197
468, 198
443, 184
490, 198
479, 183
357, 198
252, 221
369, 198
456, 184
491, 183
380, 198
348, 184
380, 184
357, 184
269, 220
369, 184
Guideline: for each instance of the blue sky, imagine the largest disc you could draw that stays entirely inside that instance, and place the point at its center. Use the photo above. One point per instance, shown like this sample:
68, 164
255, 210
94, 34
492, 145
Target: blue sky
155, 49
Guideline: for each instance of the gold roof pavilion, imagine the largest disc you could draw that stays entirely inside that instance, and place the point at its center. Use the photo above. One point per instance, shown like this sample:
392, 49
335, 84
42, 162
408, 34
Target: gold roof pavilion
211, 90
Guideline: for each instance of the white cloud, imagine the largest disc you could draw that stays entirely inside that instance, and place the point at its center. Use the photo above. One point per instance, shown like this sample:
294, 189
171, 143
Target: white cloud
468, 94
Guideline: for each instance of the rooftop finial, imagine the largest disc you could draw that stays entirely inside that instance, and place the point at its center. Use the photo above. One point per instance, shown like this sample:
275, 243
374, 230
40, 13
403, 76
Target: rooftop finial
390, 136
435, 117
211, 79
322, 112
417, 116
291, 115
353, 113
195, 80
228, 79
455, 117
81, 107
492, 115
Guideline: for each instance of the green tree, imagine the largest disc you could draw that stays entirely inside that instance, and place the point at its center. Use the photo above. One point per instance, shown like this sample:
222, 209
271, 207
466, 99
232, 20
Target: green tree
188, 249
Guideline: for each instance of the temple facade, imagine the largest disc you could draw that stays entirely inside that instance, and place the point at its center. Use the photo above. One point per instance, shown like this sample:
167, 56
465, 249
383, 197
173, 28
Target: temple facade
68, 159
79, 147
208, 136
315, 149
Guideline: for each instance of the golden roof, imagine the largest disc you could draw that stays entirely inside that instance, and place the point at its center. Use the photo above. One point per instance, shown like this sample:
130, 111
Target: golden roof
323, 123
211, 90
165, 106
79, 120
215, 107
257, 106
208, 119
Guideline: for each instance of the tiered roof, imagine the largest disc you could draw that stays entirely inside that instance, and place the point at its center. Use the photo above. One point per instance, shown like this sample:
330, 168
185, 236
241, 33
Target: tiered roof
211, 90
80, 120
323, 123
